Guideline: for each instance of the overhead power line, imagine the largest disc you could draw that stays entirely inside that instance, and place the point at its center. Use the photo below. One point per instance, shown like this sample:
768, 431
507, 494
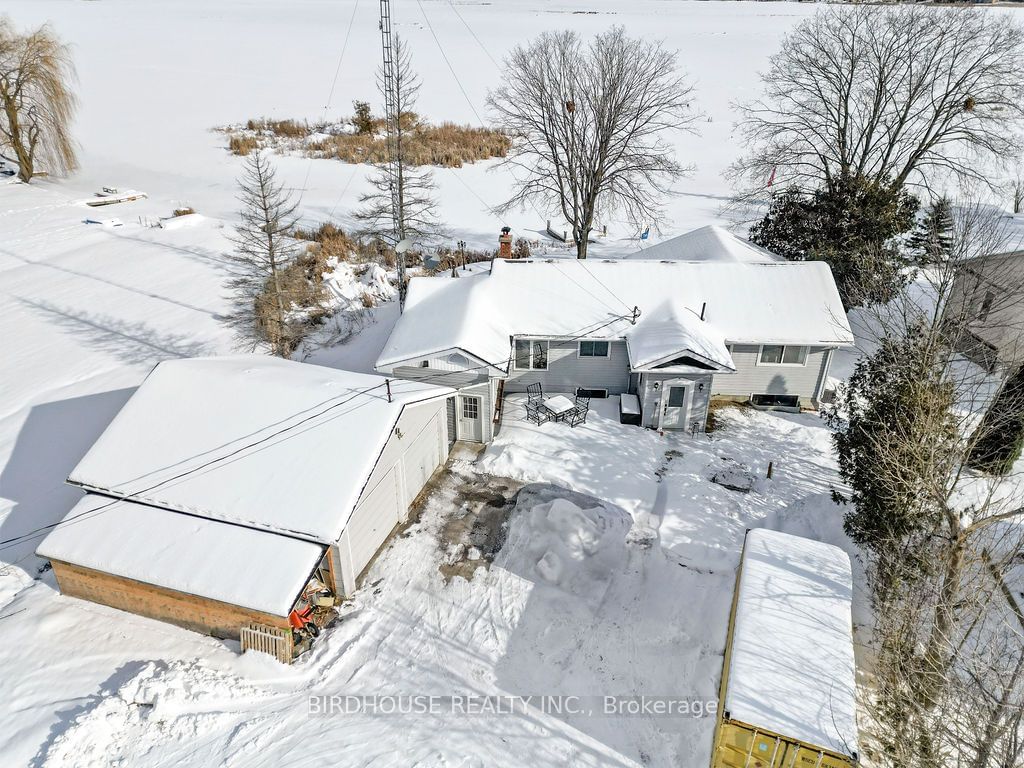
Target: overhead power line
89, 514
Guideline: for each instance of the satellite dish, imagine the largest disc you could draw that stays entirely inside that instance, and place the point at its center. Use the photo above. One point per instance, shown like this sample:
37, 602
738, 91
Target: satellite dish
403, 246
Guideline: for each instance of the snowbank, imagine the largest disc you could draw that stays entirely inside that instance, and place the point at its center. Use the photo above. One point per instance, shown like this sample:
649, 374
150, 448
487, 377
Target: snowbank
570, 542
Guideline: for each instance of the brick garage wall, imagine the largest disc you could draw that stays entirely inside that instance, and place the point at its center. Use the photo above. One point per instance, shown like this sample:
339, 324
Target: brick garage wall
210, 617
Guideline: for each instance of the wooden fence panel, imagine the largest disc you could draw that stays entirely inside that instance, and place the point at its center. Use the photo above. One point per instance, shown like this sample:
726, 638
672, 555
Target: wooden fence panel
277, 642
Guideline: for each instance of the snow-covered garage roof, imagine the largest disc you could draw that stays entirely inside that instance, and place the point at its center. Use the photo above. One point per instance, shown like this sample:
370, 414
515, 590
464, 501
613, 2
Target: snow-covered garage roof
185, 553
792, 668
780, 303
710, 243
272, 444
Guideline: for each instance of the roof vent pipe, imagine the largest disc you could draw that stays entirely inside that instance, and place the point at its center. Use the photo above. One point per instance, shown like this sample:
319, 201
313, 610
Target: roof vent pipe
703, 307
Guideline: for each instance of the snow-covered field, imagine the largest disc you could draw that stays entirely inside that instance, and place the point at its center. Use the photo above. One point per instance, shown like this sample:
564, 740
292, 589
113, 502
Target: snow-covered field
88, 310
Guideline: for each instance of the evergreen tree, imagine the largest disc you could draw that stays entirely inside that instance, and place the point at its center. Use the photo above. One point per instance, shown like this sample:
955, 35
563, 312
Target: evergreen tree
931, 242
265, 254
894, 432
851, 225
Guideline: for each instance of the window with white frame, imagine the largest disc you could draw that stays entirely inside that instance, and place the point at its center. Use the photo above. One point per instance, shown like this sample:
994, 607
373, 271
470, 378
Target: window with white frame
531, 355
594, 349
780, 354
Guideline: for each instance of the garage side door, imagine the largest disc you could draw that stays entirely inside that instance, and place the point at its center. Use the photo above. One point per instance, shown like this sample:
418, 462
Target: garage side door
371, 522
422, 458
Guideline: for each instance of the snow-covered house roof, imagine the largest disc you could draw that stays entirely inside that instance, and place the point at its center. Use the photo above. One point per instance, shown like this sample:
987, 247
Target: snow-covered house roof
671, 331
710, 243
271, 444
779, 302
792, 667
185, 553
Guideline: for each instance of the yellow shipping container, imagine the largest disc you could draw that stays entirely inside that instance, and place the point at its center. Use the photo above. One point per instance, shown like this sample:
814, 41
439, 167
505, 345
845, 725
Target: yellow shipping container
788, 693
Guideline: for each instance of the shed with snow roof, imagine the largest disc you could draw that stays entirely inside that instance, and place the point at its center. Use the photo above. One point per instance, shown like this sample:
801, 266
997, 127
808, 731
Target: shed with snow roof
788, 694
226, 485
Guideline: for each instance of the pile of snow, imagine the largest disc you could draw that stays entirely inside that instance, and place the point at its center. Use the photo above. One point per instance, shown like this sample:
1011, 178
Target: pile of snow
570, 542
181, 222
177, 702
349, 283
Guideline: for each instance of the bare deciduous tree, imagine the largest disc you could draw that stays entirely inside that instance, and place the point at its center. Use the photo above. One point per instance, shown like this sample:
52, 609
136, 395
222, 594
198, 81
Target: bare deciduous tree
948, 685
36, 75
411, 189
587, 123
891, 93
264, 251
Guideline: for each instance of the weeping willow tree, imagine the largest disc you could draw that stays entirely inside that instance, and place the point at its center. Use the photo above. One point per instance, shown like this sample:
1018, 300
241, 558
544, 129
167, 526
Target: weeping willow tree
37, 103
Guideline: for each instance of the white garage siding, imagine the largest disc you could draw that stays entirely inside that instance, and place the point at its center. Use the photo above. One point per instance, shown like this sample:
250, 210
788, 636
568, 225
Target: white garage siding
418, 445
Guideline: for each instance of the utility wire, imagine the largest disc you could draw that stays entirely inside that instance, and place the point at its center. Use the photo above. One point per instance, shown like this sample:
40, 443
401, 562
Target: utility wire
471, 32
89, 514
444, 56
334, 82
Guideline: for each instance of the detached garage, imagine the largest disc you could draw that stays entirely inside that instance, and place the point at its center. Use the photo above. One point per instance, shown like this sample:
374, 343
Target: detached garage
228, 490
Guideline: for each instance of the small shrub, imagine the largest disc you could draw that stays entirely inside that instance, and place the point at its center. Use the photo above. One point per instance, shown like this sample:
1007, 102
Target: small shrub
522, 249
367, 300
329, 242
242, 145
187, 210
447, 144
362, 119
289, 129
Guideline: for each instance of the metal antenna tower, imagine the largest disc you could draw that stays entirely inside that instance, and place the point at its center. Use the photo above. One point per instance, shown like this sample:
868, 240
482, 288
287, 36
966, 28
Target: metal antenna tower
394, 144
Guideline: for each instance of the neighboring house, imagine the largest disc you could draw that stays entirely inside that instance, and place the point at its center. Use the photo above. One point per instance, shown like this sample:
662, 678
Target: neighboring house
710, 243
986, 310
675, 334
224, 484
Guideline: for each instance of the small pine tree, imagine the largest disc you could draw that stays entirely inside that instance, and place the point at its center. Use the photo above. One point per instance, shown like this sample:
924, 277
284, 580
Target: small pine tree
412, 188
999, 438
931, 242
264, 254
362, 119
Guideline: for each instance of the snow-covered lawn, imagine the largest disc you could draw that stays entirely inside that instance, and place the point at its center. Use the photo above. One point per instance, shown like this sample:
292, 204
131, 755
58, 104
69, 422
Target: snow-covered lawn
88, 310
663, 480
578, 603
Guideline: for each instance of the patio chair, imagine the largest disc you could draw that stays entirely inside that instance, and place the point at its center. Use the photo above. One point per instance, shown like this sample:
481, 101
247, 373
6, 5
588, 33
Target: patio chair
536, 412
535, 393
579, 413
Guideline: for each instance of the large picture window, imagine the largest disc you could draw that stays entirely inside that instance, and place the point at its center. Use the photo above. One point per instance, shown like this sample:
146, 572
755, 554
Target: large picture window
778, 354
531, 355
593, 349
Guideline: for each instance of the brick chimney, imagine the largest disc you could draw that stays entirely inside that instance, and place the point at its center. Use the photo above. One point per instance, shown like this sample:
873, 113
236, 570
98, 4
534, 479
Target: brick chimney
505, 243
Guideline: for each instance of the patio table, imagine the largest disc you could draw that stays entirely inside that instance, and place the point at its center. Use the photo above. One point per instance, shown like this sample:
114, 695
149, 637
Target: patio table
559, 406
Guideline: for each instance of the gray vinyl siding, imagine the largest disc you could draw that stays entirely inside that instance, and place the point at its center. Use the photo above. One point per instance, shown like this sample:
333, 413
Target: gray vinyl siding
566, 370
485, 392
475, 383
650, 398
753, 379
443, 378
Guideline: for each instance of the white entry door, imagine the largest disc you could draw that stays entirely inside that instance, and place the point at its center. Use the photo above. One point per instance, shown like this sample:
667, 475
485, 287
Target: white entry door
471, 425
675, 404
